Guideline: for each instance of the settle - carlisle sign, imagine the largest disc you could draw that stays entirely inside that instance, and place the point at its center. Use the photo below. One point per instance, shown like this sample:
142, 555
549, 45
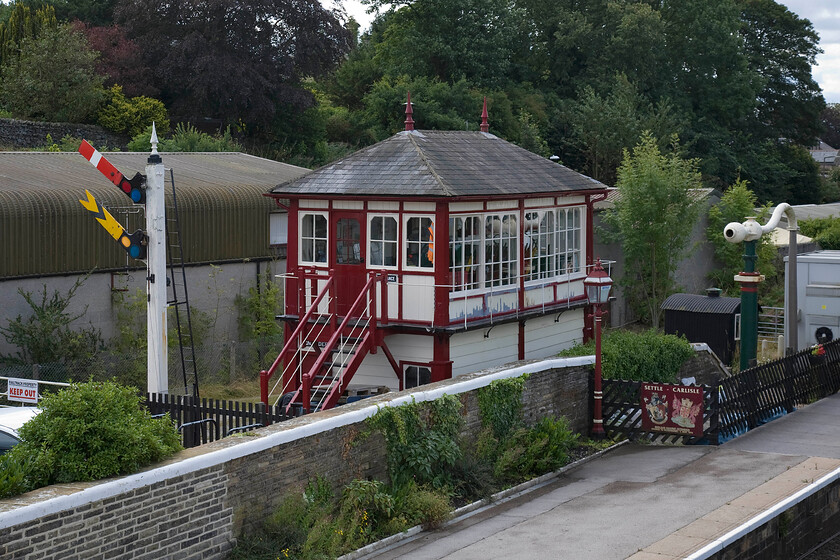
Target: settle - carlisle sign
672, 409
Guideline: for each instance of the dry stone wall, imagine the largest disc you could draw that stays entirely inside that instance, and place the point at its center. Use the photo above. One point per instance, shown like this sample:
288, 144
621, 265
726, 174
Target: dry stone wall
28, 134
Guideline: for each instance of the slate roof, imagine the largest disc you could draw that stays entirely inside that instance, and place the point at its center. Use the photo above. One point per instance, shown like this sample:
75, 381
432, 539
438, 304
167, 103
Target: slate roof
440, 164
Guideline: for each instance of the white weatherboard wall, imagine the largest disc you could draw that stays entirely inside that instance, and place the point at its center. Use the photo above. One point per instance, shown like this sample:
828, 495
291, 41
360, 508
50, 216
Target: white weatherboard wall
376, 371
548, 335
471, 351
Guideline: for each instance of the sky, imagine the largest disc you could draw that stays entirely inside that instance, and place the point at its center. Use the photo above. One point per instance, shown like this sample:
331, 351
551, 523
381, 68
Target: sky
823, 14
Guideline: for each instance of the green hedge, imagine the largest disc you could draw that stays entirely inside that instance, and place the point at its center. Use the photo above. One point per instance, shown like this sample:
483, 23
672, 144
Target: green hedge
646, 356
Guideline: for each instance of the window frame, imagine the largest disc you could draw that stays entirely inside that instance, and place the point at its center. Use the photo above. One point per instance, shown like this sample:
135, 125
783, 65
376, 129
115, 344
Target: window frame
406, 242
301, 239
371, 241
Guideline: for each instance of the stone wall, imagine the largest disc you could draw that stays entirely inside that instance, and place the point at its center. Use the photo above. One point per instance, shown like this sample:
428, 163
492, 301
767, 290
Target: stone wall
28, 134
195, 505
793, 531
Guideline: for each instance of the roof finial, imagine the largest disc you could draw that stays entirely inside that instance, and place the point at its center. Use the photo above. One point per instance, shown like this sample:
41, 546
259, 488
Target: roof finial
485, 126
409, 122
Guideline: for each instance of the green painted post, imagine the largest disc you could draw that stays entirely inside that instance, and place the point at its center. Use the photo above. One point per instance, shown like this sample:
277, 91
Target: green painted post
749, 307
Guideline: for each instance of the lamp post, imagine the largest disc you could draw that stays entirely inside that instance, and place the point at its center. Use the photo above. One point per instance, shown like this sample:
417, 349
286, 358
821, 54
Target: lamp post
598, 285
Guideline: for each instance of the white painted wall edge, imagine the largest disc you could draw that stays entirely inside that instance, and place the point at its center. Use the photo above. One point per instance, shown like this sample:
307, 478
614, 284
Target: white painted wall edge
762, 518
131, 482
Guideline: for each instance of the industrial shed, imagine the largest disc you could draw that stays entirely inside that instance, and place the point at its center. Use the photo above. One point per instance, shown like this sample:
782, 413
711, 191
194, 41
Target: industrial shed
709, 319
48, 239
44, 230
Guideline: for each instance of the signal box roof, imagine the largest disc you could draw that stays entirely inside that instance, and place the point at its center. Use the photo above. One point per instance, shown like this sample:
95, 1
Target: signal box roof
440, 164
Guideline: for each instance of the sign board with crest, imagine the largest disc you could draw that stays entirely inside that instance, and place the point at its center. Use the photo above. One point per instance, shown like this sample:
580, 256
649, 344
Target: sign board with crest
672, 409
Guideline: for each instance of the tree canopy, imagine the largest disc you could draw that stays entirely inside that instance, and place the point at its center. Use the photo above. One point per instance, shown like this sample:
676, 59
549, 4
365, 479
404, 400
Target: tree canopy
234, 60
580, 80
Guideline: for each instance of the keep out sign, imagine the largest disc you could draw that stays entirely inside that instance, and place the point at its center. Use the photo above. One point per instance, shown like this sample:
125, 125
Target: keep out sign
23, 390
672, 409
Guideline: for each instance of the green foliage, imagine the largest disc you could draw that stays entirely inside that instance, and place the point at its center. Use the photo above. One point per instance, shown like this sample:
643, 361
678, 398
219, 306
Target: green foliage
53, 78
23, 23
421, 440
13, 471
130, 341
530, 137
186, 138
825, 231
500, 405
535, 451
315, 526
46, 336
603, 127
653, 220
132, 116
736, 204
90, 431
646, 356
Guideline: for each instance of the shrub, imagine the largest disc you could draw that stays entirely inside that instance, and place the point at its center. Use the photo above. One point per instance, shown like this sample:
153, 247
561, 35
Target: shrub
132, 116
646, 356
532, 452
90, 431
422, 440
186, 138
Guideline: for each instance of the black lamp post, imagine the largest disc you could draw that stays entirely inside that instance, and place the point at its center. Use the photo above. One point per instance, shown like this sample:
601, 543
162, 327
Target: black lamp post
598, 285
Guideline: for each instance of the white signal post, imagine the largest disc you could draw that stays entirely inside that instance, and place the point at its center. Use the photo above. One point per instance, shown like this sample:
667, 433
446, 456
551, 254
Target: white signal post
158, 371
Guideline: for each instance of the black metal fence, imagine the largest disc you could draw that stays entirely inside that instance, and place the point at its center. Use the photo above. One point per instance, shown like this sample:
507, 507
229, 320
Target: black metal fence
741, 402
204, 420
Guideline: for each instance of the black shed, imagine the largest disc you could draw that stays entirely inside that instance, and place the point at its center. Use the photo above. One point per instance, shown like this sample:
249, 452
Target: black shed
709, 319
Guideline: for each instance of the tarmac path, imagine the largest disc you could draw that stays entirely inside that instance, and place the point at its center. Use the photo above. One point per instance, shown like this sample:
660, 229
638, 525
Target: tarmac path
631, 498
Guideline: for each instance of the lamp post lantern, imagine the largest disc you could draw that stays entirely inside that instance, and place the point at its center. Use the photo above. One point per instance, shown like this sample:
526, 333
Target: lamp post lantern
598, 285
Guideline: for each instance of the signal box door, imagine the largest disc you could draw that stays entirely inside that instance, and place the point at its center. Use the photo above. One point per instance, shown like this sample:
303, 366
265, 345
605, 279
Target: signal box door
348, 258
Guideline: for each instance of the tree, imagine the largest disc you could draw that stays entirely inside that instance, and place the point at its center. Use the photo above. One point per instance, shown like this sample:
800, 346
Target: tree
653, 219
234, 59
449, 40
736, 204
120, 60
603, 127
830, 118
46, 336
53, 79
782, 48
23, 23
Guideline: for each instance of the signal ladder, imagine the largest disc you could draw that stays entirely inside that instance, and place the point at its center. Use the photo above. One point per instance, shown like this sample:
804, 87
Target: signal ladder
178, 300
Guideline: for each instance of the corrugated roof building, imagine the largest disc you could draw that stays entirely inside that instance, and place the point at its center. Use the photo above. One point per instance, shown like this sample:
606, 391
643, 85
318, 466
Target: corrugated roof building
44, 230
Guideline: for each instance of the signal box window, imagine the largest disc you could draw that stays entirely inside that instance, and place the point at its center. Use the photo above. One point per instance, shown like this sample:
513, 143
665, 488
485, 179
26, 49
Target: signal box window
414, 376
313, 238
383, 241
420, 242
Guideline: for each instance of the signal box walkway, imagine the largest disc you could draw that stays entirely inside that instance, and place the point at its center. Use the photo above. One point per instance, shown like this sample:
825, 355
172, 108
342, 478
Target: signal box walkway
646, 502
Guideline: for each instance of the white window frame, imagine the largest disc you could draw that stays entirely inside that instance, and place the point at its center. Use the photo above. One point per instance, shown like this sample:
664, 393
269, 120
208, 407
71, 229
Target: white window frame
371, 241
476, 267
418, 367
313, 239
422, 245
541, 261
509, 232
571, 234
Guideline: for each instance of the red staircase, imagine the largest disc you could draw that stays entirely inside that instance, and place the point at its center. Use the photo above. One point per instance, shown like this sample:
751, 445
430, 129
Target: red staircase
321, 355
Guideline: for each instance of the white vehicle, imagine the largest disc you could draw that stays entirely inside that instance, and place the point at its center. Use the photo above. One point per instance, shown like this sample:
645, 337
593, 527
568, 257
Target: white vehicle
11, 419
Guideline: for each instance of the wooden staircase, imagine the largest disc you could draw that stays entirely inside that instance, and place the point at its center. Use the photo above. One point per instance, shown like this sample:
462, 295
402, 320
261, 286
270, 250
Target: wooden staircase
321, 356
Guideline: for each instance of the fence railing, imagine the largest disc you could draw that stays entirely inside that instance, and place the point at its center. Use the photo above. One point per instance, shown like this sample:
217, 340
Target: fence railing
204, 420
740, 402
